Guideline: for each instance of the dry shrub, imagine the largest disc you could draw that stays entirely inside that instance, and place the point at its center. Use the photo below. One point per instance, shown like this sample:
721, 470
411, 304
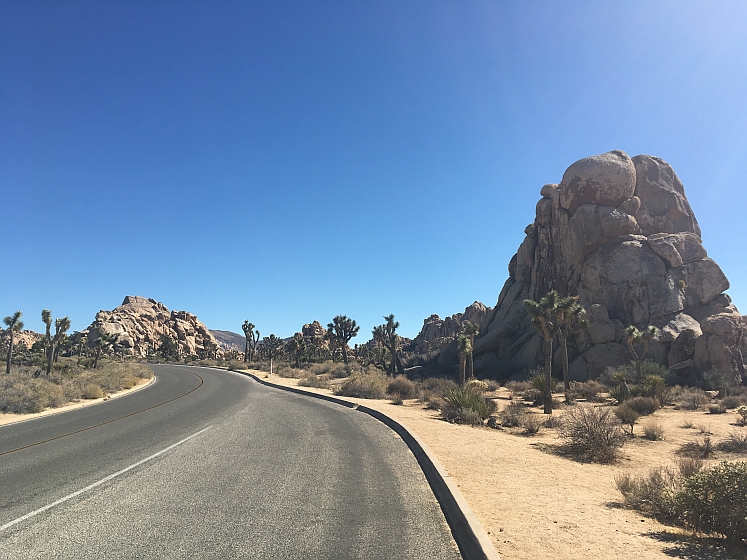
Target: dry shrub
697, 449
689, 466
22, 396
716, 409
464, 405
627, 416
237, 365
316, 381
653, 431
592, 433
731, 402
735, 442
395, 398
589, 390
290, 372
338, 371
518, 388
687, 424
477, 385
369, 385
553, 421
436, 385
643, 405
531, 423
92, 391
690, 398
403, 387
652, 493
435, 403
511, 415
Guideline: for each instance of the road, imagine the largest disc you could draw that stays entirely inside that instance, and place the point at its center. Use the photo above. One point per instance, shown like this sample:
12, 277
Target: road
206, 463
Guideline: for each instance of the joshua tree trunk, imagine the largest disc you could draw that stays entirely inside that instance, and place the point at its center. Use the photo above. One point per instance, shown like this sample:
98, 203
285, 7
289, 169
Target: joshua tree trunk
344, 352
566, 375
462, 367
548, 374
10, 352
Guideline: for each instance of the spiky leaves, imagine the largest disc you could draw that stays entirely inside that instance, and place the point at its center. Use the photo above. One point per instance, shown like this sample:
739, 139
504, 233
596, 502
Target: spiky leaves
639, 339
343, 329
545, 316
14, 324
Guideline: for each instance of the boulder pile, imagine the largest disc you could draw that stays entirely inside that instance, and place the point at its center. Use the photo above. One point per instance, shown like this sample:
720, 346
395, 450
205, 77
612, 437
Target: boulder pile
437, 333
620, 234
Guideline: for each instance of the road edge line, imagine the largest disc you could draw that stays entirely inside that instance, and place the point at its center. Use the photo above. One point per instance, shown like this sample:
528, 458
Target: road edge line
469, 534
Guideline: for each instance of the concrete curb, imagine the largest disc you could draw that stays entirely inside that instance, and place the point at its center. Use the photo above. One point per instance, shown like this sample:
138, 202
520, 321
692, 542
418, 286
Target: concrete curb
471, 538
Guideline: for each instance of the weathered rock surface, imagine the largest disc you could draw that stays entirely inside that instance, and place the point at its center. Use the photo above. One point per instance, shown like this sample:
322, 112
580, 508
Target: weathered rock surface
437, 333
25, 338
310, 330
620, 234
140, 322
229, 340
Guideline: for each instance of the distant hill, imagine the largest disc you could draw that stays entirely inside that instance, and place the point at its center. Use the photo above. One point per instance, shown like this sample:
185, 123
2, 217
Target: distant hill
229, 340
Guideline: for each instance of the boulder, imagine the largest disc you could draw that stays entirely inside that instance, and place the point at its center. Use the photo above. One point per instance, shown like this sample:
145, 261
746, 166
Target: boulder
592, 363
607, 179
600, 329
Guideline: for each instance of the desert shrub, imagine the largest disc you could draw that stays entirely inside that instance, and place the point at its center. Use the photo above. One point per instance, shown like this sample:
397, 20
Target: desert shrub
652, 493
731, 402
531, 423
721, 381
687, 424
715, 500
592, 433
643, 405
690, 398
435, 403
395, 398
689, 466
477, 385
316, 381
627, 416
512, 414
402, 386
290, 372
92, 391
339, 370
735, 442
434, 386
493, 385
588, 390
697, 449
237, 365
29, 395
463, 403
553, 421
653, 431
653, 386
716, 408
518, 387
742, 412
370, 385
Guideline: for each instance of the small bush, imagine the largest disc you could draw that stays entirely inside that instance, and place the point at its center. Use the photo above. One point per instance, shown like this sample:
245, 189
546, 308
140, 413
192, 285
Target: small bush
732, 402
92, 391
395, 398
437, 385
364, 386
689, 466
696, 449
512, 414
518, 387
742, 412
627, 416
237, 365
316, 381
552, 421
716, 409
735, 442
592, 433
715, 500
477, 385
690, 398
435, 403
643, 405
687, 424
462, 404
653, 431
402, 386
589, 390
531, 423
652, 493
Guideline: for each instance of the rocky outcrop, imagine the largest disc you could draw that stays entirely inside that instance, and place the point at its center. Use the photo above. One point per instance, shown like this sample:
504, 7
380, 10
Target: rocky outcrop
25, 338
310, 330
437, 333
140, 322
228, 340
620, 234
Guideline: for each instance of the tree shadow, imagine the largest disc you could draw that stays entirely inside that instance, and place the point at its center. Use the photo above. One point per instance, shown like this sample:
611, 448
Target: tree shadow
697, 547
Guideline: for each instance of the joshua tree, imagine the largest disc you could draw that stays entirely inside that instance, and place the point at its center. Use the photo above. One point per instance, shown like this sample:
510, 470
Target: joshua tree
464, 344
272, 345
252, 337
640, 338
386, 334
103, 344
296, 347
343, 329
544, 314
46, 316
471, 330
60, 328
14, 324
572, 318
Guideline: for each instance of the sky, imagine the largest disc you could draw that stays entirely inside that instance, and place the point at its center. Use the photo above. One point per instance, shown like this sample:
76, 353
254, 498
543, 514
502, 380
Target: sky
285, 162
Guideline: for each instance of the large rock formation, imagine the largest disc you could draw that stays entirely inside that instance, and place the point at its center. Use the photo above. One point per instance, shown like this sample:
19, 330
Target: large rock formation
140, 322
619, 233
25, 338
437, 333
229, 341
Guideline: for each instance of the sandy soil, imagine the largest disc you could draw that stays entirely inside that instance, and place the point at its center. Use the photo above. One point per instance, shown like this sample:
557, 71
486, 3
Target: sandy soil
536, 504
10, 418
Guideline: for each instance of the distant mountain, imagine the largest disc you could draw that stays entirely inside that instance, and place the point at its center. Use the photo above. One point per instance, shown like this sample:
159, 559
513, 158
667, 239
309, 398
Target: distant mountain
229, 340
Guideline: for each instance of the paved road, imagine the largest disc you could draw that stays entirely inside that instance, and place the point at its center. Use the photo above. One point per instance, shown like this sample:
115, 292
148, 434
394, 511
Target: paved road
225, 468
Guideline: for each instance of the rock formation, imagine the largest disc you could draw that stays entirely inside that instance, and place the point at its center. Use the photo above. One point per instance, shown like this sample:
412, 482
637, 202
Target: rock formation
140, 322
437, 333
310, 330
229, 341
25, 338
620, 234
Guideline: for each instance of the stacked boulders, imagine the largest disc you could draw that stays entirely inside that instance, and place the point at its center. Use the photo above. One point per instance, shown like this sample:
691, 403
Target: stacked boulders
139, 323
620, 234
437, 333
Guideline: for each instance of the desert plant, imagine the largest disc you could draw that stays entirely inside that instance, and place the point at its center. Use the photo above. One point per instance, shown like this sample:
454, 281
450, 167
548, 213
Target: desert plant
715, 500
343, 329
697, 449
402, 386
653, 431
369, 385
395, 398
512, 414
589, 390
641, 339
471, 330
592, 433
531, 424
477, 385
14, 324
464, 348
544, 316
627, 416
92, 391
386, 335
652, 493
462, 403
731, 402
735, 442
689, 466
643, 405
716, 408
687, 424
742, 412
316, 381
572, 318
690, 398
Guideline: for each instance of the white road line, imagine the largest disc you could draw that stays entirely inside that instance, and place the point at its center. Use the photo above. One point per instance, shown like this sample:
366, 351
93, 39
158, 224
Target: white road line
100, 482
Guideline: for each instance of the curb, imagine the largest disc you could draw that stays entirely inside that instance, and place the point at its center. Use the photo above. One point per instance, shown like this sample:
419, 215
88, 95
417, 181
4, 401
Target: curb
471, 538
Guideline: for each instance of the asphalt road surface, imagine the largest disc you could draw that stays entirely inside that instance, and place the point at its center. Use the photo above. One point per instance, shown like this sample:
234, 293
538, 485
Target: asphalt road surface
210, 464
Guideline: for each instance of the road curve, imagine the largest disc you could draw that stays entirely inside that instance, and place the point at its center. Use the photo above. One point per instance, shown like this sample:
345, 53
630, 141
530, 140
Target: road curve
209, 464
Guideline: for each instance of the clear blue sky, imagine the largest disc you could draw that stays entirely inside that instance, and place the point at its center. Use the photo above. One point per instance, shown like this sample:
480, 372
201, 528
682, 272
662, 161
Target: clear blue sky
289, 161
